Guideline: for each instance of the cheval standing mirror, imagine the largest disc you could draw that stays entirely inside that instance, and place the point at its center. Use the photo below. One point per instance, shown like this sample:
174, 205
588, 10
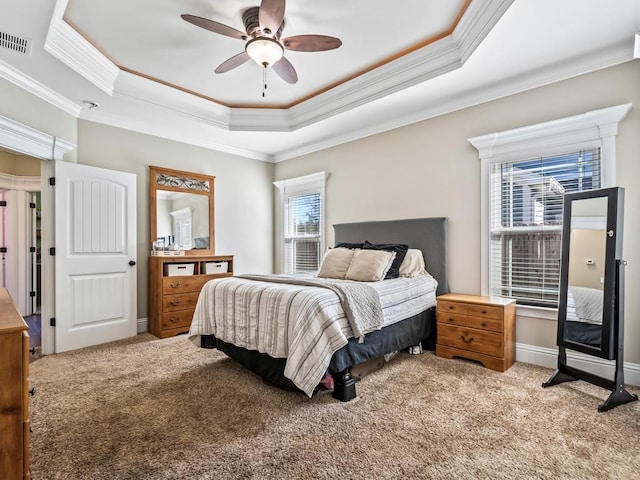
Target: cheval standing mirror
590, 312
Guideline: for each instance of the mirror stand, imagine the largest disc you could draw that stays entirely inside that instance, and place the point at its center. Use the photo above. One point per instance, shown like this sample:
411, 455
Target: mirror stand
564, 373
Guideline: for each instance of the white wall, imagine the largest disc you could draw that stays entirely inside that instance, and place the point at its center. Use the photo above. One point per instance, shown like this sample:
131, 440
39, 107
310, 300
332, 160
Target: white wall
429, 169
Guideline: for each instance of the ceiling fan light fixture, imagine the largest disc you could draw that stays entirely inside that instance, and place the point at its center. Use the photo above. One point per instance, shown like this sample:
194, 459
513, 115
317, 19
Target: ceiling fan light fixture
264, 51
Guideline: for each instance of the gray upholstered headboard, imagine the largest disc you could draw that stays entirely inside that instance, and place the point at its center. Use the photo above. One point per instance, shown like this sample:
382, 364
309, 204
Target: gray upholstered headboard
427, 234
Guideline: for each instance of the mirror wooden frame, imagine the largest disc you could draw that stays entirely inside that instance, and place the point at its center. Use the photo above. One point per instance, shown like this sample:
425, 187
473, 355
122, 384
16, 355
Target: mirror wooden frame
181, 181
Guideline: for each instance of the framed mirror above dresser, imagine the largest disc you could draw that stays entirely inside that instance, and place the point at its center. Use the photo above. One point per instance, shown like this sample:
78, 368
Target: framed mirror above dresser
182, 240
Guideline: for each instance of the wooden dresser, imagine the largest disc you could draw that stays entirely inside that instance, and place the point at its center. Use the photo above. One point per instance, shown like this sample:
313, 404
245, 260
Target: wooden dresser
14, 386
173, 298
477, 328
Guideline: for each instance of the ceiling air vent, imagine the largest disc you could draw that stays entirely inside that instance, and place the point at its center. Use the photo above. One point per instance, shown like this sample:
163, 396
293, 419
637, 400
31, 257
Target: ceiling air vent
15, 43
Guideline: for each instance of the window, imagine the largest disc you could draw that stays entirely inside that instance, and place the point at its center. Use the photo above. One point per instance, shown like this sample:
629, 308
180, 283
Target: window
303, 222
525, 173
525, 218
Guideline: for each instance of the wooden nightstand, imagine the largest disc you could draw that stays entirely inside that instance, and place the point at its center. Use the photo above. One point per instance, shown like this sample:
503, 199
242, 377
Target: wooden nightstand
477, 328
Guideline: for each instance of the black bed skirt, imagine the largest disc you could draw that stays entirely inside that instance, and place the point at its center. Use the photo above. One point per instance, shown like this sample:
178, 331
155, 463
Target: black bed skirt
420, 328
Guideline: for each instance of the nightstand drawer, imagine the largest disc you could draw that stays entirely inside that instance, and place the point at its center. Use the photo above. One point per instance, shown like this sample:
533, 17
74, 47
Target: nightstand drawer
172, 303
474, 340
485, 311
469, 321
452, 307
177, 319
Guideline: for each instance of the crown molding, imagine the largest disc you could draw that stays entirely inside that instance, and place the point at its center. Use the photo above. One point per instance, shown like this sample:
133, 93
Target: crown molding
38, 89
68, 46
615, 55
20, 182
29, 141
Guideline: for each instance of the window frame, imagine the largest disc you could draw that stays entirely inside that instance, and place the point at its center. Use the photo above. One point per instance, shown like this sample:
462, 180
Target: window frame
594, 129
299, 186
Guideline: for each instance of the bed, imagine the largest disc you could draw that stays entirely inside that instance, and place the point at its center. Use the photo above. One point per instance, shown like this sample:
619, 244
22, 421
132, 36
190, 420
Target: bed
584, 315
329, 344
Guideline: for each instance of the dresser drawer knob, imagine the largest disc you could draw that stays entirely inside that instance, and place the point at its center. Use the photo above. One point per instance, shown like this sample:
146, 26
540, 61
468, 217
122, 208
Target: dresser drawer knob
174, 320
484, 312
484, 324
32, 391
451, 319
175, 302
451, 307
465, 339
174, 285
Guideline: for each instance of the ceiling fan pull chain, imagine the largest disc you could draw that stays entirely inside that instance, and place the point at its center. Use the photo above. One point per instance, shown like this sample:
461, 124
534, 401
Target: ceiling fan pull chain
264, 79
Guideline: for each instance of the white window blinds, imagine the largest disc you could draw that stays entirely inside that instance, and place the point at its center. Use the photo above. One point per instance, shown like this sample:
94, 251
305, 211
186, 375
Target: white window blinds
525, 217
302, 236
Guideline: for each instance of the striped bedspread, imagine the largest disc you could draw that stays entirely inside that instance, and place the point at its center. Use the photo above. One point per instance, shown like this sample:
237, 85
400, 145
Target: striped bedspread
304, 324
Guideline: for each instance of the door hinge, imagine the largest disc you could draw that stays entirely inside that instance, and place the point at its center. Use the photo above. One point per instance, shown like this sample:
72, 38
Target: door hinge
52, 322
3, 249
3, 203
32, 249
32, 205
32, 294
52, 251
52, 181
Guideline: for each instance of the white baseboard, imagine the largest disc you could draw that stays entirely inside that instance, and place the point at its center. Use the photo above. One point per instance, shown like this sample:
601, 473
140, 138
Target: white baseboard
548, 357
143, 325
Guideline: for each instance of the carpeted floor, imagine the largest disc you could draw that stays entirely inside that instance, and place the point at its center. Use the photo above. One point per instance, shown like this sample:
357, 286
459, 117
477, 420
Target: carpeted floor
165, 409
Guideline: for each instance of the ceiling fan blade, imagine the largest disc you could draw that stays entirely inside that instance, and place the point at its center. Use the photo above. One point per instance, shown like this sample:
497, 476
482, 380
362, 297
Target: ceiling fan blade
285, 70
271, 15
214, 26
311, 43
232, 62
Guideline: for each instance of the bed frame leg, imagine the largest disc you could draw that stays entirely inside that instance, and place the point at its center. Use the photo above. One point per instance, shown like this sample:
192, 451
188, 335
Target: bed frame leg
344, 386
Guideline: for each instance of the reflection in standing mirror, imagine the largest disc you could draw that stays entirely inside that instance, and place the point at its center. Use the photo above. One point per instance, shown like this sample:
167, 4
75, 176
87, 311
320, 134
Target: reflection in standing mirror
182, 220
585, 289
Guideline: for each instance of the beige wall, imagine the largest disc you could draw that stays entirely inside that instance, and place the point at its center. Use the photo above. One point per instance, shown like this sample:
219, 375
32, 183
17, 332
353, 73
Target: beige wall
429, 169
243, 192
19, 165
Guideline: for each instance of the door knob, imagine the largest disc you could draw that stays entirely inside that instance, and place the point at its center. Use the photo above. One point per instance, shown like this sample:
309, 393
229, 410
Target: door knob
132, 263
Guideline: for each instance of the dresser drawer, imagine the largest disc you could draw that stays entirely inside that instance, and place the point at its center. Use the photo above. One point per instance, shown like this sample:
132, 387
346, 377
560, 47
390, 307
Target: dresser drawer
178, 319
452, 307
479, 341
184, 301
486, 311
183, 284
468, 321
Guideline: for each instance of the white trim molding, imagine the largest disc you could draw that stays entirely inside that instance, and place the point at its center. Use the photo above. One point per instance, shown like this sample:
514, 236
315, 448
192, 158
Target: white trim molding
597, 128
548, 357
20, 183
29, 141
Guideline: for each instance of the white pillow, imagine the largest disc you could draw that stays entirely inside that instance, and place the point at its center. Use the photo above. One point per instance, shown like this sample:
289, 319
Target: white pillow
413, 264
370, 265
336, 262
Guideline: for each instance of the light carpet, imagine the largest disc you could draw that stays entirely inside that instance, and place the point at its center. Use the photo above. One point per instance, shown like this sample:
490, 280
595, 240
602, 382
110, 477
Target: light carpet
164, 409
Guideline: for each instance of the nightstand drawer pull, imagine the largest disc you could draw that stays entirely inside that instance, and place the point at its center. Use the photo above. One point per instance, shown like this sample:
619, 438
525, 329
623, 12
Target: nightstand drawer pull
465, 340
175, 302
175, 285
484, 324
174, 320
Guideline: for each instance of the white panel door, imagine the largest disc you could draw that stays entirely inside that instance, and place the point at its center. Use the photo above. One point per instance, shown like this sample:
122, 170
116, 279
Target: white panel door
95, 242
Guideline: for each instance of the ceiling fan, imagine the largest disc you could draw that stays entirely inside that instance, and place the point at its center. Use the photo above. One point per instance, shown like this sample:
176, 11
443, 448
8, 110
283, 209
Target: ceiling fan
264, 25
